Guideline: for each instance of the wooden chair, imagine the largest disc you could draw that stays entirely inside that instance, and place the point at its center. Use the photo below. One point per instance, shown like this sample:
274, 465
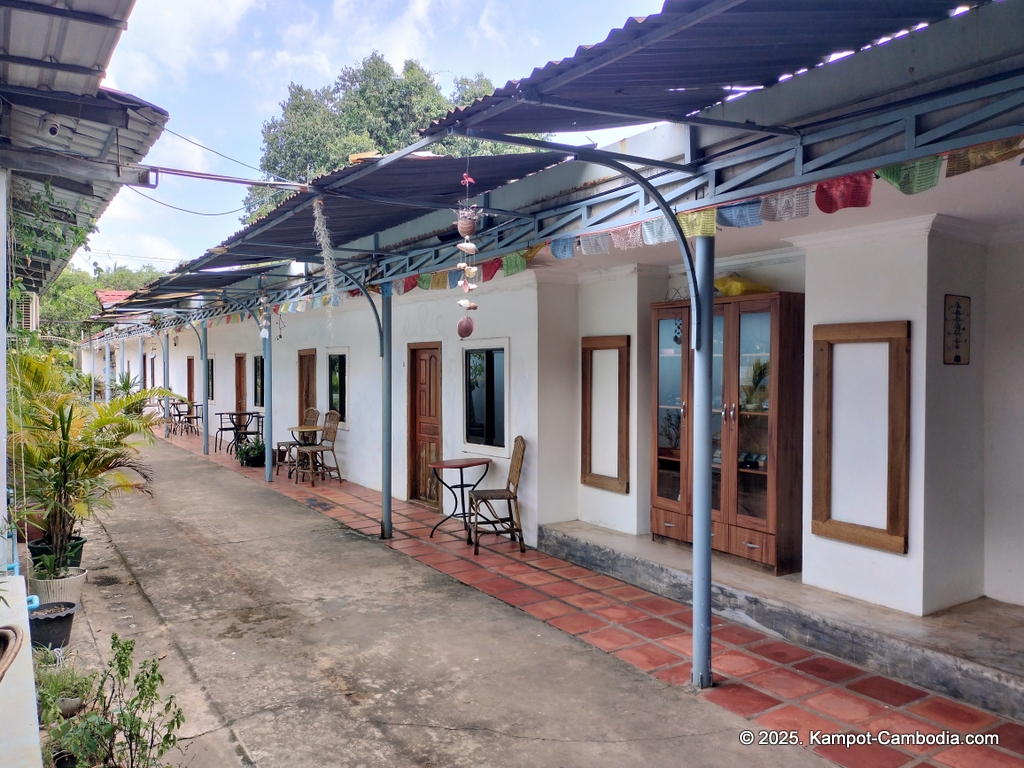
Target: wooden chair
310, 417
314, 455
510, 524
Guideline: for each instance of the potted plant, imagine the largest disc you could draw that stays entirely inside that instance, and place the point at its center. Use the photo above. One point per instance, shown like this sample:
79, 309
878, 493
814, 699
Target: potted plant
252, 453
61, 689
50, 624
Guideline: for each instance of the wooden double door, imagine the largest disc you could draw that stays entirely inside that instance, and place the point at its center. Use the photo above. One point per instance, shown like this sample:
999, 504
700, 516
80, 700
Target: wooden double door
757, 426
425, 443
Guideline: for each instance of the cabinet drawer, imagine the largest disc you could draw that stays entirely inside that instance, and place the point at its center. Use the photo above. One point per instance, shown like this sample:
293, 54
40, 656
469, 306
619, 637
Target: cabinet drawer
720, 536
671, 524
752, 545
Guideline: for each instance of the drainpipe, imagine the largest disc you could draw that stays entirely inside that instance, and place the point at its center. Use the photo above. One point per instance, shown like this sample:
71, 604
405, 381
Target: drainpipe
204, 351
385, 482
106, 369
700, 675
268, 399
167, 384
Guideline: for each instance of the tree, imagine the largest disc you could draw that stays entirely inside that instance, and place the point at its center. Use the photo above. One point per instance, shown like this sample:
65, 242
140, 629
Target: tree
370, 107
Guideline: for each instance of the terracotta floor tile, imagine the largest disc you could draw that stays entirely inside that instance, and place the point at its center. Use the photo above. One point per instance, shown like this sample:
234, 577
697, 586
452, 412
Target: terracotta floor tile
782, 652
648, 656
737, 635
535, 578
738, 664
620, 614
965, 756
527, 556
523, 596
677, 675
653, 629
417, 550
953, 715
844, 706
589, 601
490, 560
787, 683
793, 718
562, 589
600, 582
495, 586
405, 544
741, 699
864, 756
473, 576
657, 606
455, 566
574, 572
578, 623
887, 691
611, 639
513, 569
900, 724
681, 617
436, 557
1011, 737
684, 644
549, 563
459, 547
627, 593
828, 669
549, 609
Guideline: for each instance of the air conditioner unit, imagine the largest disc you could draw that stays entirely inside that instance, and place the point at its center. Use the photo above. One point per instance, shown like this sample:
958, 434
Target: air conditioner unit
25, 312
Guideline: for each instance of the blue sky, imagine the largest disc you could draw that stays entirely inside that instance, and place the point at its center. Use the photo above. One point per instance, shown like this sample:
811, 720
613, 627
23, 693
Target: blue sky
221, 68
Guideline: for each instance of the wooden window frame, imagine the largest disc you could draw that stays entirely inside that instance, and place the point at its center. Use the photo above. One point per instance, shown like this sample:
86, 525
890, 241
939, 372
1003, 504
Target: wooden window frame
619, 483
892, 538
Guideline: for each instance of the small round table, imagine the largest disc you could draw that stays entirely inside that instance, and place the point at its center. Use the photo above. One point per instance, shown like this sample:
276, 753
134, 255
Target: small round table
462, 465
304, 436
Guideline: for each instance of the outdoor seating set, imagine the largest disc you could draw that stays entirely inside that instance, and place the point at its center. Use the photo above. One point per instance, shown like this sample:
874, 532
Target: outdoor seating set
304, 454
240, 426
186, 418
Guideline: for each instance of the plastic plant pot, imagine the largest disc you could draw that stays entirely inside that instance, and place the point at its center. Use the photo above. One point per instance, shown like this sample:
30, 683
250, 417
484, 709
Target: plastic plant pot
50, 624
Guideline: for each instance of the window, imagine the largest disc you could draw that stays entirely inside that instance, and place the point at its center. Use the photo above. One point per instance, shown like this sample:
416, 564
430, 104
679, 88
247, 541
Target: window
257, 381
209, 378
337, 384
485, 397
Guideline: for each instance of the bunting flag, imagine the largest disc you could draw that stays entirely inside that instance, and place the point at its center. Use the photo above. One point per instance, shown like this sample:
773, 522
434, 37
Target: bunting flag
353, 293
439, 281
398, 286
489, 269
698, 223
853, 191
277, 309
453, 278
911, 178
513, 263
423, 282
628, 237
532, 251
655, 231
595, 244
563, 248
410, 283
972, 159
783, 206
335, 299
747, 214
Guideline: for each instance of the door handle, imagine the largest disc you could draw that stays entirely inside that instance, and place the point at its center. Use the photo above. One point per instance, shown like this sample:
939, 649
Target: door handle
751, 546
732, 412
669, 525
682, 410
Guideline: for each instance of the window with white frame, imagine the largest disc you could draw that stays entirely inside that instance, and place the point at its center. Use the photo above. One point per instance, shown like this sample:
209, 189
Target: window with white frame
484, 386
337, 384
257, 381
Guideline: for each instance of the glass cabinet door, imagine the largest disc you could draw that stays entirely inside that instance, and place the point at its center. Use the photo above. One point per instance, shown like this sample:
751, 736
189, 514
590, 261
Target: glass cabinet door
718, 445
672, 354
753, 455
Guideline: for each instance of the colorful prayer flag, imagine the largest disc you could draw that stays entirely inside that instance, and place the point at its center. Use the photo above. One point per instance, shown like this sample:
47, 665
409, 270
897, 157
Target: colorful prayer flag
981, 156
698, 223
784, 206
911, 178
746, 214
563, 247
628, 237
853, 191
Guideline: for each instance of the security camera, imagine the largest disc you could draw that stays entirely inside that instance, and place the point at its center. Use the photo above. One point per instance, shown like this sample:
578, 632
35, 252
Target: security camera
50, 125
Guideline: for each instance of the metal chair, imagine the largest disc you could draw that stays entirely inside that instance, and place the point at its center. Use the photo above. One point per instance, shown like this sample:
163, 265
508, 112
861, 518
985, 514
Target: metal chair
227, 425
315, 454
510, 524
309, 419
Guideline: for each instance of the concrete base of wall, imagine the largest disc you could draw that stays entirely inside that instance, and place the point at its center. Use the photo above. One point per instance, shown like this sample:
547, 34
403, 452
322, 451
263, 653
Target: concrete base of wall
961, 653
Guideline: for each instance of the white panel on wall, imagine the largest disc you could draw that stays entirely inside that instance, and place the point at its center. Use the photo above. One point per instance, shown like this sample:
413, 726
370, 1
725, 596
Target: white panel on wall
604, 422
860, 433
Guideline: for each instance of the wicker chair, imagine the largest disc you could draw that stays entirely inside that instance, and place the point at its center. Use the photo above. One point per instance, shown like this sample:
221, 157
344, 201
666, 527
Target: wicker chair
314, 455
510, 524
309, 419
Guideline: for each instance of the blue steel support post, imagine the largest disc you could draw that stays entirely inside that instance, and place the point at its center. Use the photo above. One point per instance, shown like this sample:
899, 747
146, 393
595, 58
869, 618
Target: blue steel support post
204, 352
142, 360
268, 403
700, 410
92, 356
106, 372
167, 384
120, 360
385, 459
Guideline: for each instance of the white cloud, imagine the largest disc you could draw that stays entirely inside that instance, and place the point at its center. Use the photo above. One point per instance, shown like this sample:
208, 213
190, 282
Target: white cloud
173, 152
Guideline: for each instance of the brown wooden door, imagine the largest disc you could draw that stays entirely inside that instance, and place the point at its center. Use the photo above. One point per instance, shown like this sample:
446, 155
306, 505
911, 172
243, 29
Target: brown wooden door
190, 366
240, 403
307, 381
424, 419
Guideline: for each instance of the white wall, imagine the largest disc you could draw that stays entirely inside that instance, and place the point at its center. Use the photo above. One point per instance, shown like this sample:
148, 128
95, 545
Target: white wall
1004, 420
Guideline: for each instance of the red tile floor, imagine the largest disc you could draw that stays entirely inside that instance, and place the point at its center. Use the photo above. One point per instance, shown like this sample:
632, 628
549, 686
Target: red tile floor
776, 685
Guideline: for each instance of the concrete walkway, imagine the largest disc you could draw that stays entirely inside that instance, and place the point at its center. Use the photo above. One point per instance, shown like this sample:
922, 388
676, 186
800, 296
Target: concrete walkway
314, 645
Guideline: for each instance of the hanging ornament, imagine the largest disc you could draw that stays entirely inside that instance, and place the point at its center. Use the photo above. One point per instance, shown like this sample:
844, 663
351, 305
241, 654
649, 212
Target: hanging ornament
465, 327
467, 247
470, 272
466, 304
466, 286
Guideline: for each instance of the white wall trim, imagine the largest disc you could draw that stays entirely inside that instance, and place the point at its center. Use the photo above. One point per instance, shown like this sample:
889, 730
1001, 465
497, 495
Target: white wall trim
962, 230
870, 233
504, 343
756, 259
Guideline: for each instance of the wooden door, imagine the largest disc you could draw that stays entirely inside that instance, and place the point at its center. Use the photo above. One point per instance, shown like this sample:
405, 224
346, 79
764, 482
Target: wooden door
190, 366
307, 381
425, 443
240, 401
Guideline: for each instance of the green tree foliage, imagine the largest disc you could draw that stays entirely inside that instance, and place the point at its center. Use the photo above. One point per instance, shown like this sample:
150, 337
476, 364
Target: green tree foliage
369, 107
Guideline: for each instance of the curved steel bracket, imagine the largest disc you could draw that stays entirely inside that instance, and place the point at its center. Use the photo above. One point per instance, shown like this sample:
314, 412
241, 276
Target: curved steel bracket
376, 314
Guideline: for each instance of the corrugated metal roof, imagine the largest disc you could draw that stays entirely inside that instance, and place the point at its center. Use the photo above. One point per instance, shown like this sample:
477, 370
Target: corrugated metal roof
692, 55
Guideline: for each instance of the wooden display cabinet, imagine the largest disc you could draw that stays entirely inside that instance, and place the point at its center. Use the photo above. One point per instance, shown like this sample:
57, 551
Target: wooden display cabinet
757, 426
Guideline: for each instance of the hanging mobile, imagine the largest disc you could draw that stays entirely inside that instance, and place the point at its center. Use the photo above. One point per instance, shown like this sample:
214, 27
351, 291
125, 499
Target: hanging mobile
466, 224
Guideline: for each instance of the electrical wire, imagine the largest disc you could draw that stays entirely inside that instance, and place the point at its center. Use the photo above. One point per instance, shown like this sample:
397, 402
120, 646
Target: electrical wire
184, 210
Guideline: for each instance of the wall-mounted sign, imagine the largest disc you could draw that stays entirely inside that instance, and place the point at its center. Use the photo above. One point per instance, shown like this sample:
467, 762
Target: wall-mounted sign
956, 330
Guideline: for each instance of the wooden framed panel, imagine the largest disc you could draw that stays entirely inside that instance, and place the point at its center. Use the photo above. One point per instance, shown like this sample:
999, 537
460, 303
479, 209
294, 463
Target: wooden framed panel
619, 482
896, 335
670, 437
424, 421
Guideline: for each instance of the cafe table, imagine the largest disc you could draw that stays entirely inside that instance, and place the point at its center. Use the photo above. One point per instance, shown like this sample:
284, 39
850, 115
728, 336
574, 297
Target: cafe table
305, 435
241, 421
461, 465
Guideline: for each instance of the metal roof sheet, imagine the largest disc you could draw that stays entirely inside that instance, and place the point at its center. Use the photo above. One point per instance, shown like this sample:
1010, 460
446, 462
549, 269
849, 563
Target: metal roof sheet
692, 55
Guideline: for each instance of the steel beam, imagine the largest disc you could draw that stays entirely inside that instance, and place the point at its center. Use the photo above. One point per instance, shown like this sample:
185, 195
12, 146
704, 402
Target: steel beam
204, 354
268, 406
386, 418
89, 108
167, 383
74, 69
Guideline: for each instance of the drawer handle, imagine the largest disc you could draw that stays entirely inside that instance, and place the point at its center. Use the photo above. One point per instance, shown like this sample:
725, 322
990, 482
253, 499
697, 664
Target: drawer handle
669, 525
751, 546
